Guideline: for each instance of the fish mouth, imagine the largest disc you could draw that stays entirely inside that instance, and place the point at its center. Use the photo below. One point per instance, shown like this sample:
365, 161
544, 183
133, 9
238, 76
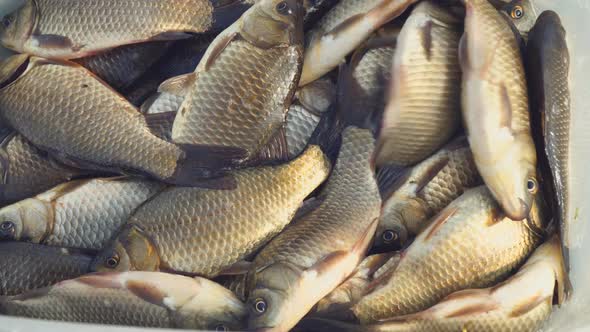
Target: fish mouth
518, 211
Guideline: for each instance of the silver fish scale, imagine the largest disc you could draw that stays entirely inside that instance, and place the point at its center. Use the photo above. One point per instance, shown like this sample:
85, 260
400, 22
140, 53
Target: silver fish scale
344, 10
351, 203
205, 231
480, 322
122, 66
449, 183
29, 170
25, 266
506, 67
465, 252
240, 100
91, 23
165, 102
300, 126
60, 119
91, 214
90, 305
373, 74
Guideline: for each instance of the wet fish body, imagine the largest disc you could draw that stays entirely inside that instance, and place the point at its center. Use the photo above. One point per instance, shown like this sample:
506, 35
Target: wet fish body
424, 108
495, 108
240, 92
322, 247
424, 191
87, 124
28, 266
206, 231
548, 68
522, 13
149, 299
471, 243
27, 171
69, 29
78, 214
522, 303
122, 66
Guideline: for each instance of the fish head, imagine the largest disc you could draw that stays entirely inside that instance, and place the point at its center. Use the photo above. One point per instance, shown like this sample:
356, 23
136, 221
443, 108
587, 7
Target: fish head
399, 218
270, 301
27, 220
318, 95
17, 27
12, 68
215, 308
522, 13
131, 250
274, 23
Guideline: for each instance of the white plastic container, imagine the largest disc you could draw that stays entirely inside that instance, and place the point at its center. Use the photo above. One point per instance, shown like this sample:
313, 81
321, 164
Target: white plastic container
575, 315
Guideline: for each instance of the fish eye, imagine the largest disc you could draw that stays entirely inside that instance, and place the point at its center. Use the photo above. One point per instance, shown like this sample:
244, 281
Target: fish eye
532, 186
517, 12
260, 306
112, 261
389, 235
7, 21
221, 328
283, 8
7, 230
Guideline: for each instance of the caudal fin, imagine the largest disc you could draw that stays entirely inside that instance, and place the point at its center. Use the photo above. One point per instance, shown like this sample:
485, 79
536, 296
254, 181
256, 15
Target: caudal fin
207, 166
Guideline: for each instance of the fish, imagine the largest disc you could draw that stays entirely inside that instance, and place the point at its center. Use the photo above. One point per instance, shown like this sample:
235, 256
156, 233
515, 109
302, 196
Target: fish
83, 213
147, 299
469, 244
240, 92
372, 64
235, 283
63, 109
27, 266
204, 231
122, 66
344, 28
322, 247
495, 108
547, 65
424, 107
522, 13
423, 191
352, 290
521, 303
70, 29
27, 171
182, 57
315, 10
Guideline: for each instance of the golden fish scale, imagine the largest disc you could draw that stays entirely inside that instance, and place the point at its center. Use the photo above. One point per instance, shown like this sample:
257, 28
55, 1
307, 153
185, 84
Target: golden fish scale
464, 253
427, 111
506, 67
299, 127
487, 322
91, 305
29, 170
351, 203
96, 24
205, 231
122, 66
459, 174
242, 99
56, 106
90, 215
372, 75
344, 10
27, 266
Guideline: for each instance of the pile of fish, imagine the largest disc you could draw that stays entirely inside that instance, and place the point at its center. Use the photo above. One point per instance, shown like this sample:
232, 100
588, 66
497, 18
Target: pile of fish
276, 165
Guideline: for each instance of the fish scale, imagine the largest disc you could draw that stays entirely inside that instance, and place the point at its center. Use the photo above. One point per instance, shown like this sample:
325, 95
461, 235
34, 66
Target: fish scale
25, 266
299, 127
96, 25
468, 250
59, 119
372, 74
240, 100
206, 231
424, 110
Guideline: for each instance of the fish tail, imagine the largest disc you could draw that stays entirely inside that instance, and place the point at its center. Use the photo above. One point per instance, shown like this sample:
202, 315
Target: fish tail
226, 12
349, 91
328, 134
207, 166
